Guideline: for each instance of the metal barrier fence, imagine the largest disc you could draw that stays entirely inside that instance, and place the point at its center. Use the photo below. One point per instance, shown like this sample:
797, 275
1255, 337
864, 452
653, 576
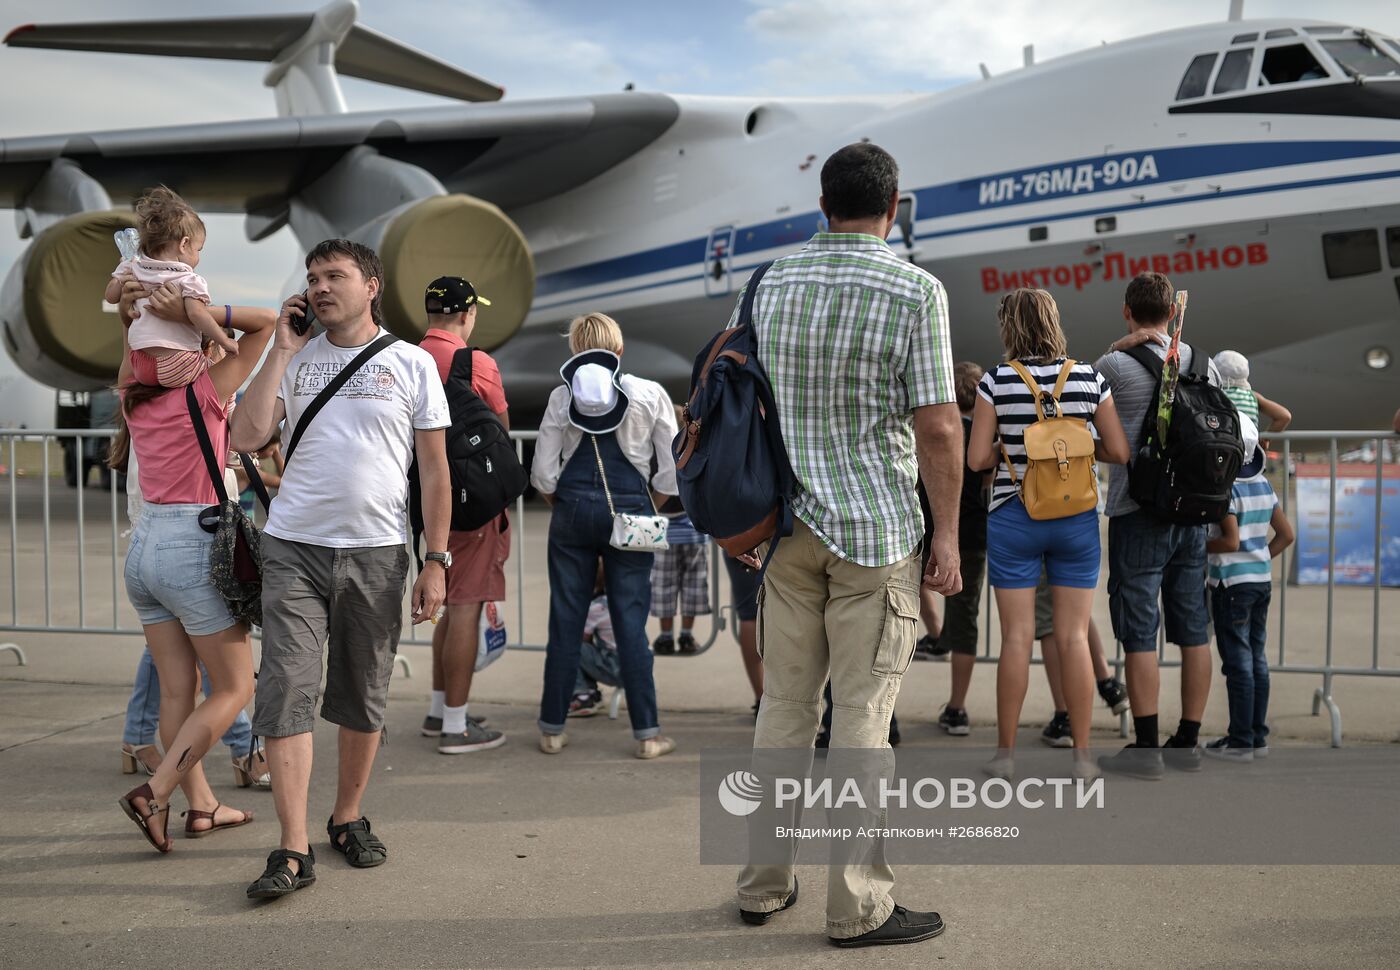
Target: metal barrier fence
107, 546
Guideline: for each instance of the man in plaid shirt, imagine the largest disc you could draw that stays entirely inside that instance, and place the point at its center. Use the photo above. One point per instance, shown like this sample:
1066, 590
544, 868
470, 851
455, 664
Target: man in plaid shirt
855, 342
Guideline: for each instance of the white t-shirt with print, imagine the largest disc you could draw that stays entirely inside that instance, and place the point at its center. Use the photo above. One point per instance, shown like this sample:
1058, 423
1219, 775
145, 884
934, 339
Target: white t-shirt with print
347, 485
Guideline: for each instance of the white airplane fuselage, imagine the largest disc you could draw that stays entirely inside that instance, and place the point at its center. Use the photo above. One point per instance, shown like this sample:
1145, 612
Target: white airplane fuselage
1081, 151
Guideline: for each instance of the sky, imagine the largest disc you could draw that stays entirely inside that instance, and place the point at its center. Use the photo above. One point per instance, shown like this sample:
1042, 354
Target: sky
545, 48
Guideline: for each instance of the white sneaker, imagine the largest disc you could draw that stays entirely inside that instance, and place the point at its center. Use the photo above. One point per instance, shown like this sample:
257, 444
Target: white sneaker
553, 743
655, 747
1085, 768
1001, 767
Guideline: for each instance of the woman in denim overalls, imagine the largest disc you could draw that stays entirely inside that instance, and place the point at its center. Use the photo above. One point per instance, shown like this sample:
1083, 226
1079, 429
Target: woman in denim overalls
597, 430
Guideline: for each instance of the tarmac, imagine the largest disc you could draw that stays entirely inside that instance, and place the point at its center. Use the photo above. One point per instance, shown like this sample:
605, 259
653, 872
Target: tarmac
509, 858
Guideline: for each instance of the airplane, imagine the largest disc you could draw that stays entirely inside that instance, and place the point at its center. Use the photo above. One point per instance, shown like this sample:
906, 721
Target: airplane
1253, 161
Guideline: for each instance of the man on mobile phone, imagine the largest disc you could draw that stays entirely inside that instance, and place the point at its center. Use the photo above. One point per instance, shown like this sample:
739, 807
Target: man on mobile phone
335, 556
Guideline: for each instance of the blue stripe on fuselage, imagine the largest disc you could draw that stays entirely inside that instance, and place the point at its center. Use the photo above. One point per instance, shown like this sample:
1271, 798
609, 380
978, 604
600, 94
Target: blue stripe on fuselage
956, 198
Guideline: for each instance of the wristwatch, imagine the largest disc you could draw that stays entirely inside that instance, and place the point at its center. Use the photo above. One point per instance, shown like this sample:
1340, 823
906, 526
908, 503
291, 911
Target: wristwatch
444, 558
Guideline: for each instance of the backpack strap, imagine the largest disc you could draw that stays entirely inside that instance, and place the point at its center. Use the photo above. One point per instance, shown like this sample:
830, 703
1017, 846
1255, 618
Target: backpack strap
1200, 363
329, 391
462, 364
1064, 378
1038, 392
1149, 360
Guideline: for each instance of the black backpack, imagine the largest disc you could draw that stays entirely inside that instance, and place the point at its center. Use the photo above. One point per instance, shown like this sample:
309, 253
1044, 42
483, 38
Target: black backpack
732, 467
486, 473
1187, 478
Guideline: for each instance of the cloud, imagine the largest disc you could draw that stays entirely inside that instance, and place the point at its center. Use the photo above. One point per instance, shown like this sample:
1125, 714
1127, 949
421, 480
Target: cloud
818, 45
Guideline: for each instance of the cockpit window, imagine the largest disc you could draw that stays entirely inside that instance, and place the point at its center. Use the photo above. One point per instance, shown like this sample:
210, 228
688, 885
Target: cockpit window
1289, 64
1360, 58
1193, 82
1323, 30
1244, 38
1234, 72
1281, 32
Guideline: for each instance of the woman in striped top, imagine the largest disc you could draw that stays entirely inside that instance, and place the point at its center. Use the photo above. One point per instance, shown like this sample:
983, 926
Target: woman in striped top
1018, 547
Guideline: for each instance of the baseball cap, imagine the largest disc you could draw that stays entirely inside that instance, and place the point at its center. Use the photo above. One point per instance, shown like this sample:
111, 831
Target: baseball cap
451, 294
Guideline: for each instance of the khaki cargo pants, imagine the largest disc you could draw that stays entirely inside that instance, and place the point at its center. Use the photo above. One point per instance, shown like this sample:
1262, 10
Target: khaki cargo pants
819, 613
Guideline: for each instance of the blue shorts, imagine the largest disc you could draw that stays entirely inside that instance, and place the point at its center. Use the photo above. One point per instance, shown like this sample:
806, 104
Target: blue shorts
167, 571
1148, 558
1018, 547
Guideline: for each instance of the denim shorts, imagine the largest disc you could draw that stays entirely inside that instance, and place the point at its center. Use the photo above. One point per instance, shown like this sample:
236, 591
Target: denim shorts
1148, 558
167, 571
1018, 546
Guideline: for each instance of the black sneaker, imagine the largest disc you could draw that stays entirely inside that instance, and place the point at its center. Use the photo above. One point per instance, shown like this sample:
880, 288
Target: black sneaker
685, 644
927, 648
903, 926
1182, 757
1056, 733
758, 919
585, 704
664, 645
1114, 694
954, 722
1135, 762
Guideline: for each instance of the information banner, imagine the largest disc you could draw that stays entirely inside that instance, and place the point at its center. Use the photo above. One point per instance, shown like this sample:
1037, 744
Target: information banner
1355, 561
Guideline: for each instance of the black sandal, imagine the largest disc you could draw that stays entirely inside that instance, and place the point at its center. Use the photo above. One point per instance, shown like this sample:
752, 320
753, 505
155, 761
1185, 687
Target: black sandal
361, 848
279, 880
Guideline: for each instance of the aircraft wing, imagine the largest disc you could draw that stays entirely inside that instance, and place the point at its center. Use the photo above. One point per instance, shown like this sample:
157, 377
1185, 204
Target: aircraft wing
509, 153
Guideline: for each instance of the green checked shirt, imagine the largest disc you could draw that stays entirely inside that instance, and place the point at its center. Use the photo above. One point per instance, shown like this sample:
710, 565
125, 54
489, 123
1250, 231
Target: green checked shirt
853, 339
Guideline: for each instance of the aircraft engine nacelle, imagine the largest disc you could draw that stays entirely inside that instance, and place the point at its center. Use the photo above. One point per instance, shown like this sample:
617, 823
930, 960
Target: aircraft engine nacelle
453, 235
51, 313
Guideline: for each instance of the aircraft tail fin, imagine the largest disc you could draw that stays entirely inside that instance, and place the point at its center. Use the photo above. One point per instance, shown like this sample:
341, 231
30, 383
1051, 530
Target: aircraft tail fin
305, 51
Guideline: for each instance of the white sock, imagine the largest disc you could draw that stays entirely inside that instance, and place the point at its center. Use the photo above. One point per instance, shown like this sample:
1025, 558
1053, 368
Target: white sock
435, 708
454, 720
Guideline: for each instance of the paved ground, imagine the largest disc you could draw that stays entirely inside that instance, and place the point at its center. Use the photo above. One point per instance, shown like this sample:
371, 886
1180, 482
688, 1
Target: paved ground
589, 859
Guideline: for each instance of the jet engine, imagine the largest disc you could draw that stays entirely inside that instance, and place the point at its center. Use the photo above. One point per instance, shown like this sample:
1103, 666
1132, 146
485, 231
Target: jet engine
51, 312
453, 235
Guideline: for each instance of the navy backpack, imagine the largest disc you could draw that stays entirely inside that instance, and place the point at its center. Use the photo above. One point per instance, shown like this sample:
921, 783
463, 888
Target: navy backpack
732, 469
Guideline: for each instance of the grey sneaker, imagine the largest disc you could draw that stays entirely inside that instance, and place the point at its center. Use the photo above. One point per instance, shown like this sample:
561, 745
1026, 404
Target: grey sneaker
474, 738
1221, 750
432, 726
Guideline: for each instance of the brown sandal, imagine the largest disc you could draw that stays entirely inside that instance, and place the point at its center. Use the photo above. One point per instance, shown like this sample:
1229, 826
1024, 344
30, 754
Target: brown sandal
194, 814
140, 798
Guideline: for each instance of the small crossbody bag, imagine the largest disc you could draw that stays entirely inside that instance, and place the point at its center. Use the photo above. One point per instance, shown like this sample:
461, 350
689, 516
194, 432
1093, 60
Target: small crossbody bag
635, 533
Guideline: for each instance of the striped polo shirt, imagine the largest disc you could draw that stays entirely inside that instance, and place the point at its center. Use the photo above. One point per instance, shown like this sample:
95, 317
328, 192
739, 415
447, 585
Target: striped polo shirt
1003, 388
1244, 401
1252, 504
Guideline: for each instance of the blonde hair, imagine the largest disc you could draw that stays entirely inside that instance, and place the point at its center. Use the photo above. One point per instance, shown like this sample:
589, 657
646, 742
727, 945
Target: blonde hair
163, 219
1030, 326
594, 331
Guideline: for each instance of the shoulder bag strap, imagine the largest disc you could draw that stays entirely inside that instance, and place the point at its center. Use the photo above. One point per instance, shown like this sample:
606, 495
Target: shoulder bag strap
462, 364
606, 491
646, 485
216, 474
329, 391
250, 468
751, 291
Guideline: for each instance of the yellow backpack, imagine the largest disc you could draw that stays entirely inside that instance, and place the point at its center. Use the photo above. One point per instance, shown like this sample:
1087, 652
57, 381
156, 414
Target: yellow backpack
1060, 479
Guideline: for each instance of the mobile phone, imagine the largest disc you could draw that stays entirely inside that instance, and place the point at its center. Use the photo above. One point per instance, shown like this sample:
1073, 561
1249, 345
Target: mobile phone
303, 323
